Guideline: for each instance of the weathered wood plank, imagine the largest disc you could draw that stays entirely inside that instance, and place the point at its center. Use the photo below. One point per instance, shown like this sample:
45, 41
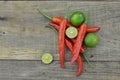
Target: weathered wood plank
24, 37
35, 70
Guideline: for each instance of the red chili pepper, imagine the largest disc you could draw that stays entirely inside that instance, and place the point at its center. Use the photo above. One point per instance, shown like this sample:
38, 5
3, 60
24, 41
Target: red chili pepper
70, 46
78, 43
77, 48
58, 20
79, 59
54, 25
80, 66
55, 19
93, 29
82, 48
89, 30
61, 42
73, 40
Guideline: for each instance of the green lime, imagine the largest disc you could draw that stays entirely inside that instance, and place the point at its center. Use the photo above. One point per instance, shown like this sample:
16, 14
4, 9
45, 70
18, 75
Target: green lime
91, 40
77, 18
47, 58
71, 32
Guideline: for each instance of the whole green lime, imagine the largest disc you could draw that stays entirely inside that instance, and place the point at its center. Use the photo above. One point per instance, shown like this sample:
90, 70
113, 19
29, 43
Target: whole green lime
77, 18
91, 40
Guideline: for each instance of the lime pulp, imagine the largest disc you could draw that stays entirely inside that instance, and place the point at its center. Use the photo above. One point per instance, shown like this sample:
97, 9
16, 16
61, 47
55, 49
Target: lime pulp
47, 58
71, 32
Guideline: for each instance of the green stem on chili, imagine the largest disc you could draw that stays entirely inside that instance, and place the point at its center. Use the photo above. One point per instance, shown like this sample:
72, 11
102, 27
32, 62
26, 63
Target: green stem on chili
49, 26
45, 15
54, 19
67, 11
87, 60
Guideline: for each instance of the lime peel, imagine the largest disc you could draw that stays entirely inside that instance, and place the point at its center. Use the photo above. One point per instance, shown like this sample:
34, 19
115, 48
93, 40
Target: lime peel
91, 40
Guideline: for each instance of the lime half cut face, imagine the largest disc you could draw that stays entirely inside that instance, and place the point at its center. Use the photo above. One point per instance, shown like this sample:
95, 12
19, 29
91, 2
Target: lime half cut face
71, 32
47, 58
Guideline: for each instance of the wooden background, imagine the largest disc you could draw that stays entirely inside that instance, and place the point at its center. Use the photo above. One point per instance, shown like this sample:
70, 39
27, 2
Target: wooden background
24, 38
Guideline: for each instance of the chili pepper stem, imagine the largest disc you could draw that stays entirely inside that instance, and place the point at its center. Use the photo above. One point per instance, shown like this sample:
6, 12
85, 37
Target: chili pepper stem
87, 60
45, 15
66, 14
49, 26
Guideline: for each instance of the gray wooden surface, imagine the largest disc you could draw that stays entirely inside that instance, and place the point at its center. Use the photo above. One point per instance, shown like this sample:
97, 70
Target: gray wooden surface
23, 36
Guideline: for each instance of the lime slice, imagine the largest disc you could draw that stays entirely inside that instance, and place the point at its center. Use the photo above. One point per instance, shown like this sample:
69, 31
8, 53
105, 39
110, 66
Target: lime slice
71, 32
47, 58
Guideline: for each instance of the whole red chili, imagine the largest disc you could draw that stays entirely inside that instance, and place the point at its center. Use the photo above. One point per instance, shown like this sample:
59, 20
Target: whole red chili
73, 40
89, 30
78, 43
61, 42
55, 19
79, 59
93, 29
58, 20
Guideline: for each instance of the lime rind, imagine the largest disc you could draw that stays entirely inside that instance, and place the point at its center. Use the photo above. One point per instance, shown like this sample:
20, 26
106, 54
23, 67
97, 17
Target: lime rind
91, 40
77, 18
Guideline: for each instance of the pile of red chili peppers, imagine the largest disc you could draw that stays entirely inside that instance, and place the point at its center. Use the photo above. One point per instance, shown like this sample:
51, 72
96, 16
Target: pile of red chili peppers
75, 45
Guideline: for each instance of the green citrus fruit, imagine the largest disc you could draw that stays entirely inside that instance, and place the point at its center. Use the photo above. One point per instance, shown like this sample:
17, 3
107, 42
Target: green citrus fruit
91, 40
77, 18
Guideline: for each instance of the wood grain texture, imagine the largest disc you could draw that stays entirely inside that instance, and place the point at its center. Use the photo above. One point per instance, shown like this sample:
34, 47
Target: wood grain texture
23, 36
35, 70
69, 0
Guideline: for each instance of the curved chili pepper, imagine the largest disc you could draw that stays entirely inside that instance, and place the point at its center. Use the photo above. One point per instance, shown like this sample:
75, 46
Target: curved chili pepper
78, 43
55, 19
70, 46
80, 66
61, 42
93, 29
79, 59
57, 27
54, 25
58, 20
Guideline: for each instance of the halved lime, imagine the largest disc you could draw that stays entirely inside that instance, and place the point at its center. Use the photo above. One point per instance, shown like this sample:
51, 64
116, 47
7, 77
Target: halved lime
47, 58
71, 32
